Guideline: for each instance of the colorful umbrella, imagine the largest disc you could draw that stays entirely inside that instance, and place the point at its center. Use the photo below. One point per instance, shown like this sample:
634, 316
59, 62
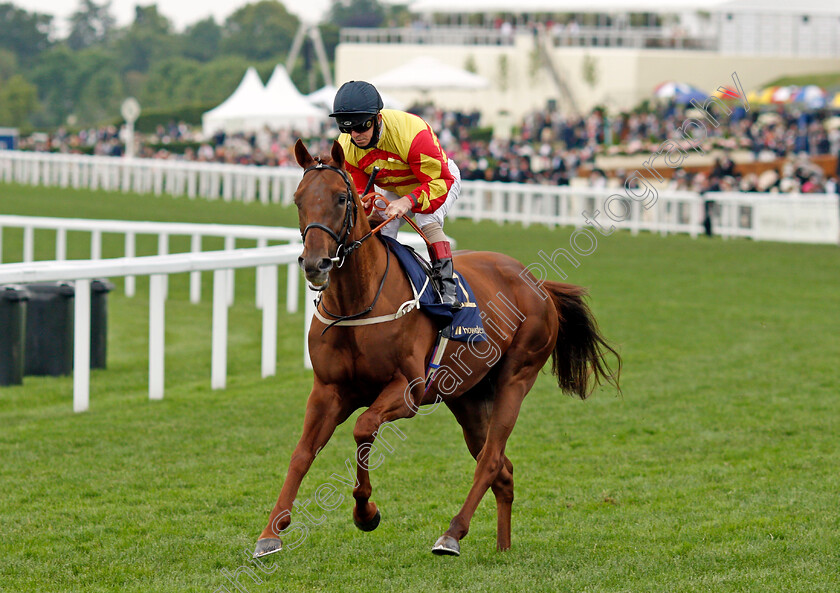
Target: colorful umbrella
679, 92
783, 94
811, 96
762, 97
726, 93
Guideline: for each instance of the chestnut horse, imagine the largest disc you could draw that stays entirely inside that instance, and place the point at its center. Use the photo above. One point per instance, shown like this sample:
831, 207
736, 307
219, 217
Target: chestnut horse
382, 366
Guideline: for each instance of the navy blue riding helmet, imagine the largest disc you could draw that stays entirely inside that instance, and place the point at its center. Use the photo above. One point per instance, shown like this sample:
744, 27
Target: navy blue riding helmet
355, 107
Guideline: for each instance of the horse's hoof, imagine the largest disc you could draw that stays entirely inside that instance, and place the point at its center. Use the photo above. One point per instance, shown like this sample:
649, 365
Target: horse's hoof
266, 546
368, 525
446, 545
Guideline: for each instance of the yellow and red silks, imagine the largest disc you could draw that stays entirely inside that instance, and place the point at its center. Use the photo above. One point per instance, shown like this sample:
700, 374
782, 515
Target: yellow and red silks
410, 159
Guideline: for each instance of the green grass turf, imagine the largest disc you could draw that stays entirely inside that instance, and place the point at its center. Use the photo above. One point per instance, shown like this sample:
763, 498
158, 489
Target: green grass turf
717, 470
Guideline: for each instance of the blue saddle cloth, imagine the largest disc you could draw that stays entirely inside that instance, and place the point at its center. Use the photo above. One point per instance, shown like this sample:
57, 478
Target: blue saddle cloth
463, 325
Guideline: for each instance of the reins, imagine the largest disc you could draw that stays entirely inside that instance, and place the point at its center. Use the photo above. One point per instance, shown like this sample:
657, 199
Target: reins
339, 319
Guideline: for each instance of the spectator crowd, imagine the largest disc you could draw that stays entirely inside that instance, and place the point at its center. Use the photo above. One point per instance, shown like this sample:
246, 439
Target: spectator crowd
546, 147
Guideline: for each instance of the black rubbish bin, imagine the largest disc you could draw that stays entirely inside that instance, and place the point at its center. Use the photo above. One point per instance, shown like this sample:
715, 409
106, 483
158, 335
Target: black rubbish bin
99, 290
49, 329
12, 333
50, 325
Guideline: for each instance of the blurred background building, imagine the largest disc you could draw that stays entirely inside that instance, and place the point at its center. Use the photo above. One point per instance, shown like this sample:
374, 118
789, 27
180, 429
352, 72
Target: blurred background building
577, 55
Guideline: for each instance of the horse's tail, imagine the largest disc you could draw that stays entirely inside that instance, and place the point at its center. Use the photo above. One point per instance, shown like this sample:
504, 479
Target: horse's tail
579, 360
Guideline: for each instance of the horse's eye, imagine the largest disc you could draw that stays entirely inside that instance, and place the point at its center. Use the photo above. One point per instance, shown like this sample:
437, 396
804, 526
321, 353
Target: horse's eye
342, 199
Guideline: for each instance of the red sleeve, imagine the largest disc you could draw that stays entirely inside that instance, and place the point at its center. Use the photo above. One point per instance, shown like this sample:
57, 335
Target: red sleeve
360, 180
429, 166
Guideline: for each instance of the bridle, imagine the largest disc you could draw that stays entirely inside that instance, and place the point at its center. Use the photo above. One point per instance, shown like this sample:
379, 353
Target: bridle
350, 213
343, 249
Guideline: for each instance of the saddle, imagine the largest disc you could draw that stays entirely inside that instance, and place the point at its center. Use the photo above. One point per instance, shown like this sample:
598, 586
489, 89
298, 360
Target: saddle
462, 325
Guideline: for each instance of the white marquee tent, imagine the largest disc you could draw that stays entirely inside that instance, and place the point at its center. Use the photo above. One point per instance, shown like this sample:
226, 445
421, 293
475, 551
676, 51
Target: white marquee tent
426, 73
253, 107
325, 96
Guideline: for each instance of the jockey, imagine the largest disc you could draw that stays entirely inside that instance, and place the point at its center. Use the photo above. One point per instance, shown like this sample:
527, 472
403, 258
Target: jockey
415, 173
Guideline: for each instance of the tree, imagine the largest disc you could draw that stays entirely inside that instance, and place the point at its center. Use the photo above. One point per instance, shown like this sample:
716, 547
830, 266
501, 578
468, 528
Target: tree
91, 24
148, 17
18, 99
149, 39
65, 82
260, 31
55, 76
216, 80
357, 13
178, 82
202, 40
24, 34
100, 98
171, 82
8, 64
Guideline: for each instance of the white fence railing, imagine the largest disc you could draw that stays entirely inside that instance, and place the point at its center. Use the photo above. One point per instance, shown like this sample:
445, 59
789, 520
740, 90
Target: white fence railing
798, 218
673, 212
791, 218
158, 267
632, 37
246, 183
778, 217
163, 231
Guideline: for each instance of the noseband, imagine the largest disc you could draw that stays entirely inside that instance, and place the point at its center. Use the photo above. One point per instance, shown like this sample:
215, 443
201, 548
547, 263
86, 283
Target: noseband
340, 238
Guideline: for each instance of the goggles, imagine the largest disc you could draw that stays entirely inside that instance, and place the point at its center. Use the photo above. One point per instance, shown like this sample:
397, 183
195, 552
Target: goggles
358, 128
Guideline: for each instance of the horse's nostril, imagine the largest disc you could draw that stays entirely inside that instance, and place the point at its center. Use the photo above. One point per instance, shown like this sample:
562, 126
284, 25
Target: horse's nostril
300, 262
325, 265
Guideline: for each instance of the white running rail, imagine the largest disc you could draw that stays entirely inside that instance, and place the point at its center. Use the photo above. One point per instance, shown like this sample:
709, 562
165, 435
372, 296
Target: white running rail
158, 267
776, 217
245, 183
163, 231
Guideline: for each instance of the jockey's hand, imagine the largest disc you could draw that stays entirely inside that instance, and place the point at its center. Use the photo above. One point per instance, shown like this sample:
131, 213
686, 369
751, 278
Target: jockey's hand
367, 202
398, 208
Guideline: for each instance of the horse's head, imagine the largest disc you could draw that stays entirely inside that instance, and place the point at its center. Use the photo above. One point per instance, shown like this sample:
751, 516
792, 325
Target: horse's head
327, 210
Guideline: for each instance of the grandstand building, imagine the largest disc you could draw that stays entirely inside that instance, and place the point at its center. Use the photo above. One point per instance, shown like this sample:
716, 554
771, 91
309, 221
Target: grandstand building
577, 55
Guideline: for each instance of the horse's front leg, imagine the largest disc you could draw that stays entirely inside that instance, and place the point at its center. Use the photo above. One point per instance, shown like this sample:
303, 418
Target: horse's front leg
324, 411
393, 403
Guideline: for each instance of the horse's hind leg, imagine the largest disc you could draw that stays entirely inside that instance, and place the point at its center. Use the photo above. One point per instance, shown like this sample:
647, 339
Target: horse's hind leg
503, 490
472, 411
514, 375
488, 468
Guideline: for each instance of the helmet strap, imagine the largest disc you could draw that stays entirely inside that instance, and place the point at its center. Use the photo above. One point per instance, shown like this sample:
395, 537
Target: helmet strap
377, 129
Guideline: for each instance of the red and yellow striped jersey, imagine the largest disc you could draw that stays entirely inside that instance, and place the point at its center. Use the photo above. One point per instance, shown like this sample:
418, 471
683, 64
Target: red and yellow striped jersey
410, 159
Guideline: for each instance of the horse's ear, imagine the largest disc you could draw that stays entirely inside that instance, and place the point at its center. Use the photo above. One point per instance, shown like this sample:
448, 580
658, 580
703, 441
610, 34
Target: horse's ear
302, 156
337, 154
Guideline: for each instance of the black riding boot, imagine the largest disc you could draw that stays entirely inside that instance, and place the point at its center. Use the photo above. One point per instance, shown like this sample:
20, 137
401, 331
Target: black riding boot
442, 269
447, 287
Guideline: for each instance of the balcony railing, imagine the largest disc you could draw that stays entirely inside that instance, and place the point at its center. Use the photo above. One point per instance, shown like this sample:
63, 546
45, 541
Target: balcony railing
627, 37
